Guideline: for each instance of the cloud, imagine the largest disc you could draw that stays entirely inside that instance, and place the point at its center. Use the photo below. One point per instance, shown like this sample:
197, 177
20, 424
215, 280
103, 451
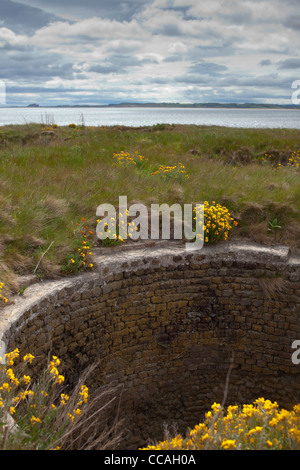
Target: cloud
161, 50
113, 10
265, 62
292, 63
22, 18
292, 21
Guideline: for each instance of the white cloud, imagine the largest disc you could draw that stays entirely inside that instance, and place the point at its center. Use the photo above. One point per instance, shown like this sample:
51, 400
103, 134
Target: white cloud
9, 37
164, 51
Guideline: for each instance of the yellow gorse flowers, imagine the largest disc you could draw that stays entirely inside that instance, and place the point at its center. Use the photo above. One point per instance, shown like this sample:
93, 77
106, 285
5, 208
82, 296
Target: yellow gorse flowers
32, 405
52, 367
260, 425
218, 222
292, 162
2, 298
112, 230
125, 158
81, 258
177, 172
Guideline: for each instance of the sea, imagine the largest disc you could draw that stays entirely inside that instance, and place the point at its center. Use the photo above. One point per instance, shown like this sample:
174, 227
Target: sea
149, 116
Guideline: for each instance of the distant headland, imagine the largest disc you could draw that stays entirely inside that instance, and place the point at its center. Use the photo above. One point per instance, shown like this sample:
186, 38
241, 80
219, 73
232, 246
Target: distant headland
167, 105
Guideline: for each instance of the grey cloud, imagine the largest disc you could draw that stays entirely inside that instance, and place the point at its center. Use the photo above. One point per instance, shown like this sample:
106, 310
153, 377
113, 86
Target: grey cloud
202, 73
265, 62
238, 17
228, 80
32, 64
196, 53
23, 19
119, 63
289, 64
292, 22
106, 68
204, 53
271, 81
114, 9
207, 68
168, 29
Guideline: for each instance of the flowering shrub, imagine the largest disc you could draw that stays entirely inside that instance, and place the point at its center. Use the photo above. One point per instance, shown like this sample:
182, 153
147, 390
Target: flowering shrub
176, 172
217, 222
2, 298
293, 161
42, 415
125, 158
112, 231
80, 259
261, 425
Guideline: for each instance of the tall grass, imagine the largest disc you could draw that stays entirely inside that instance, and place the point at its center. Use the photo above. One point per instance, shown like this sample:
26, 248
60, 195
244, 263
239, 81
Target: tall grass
41, 413
51, 177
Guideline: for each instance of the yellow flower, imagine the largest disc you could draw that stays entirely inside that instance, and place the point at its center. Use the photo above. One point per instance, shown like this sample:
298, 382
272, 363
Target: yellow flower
228, 444
34, 420
12, 356
12, 377
28, 358
64, 398
60, 379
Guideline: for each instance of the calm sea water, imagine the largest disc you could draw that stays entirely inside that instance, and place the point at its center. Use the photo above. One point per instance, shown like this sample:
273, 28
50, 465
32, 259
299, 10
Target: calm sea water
135, 117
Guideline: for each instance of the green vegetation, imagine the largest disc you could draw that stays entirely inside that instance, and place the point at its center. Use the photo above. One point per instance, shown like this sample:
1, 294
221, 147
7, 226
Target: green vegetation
51, 177
42, 414
51, 181
258, 426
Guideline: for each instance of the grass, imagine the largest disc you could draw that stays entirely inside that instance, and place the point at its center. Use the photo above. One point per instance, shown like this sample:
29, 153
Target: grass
43, 414
51, 177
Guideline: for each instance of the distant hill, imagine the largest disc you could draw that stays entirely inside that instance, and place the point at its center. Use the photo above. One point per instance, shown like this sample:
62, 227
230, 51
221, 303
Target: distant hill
187, 105
204, 105
168, 105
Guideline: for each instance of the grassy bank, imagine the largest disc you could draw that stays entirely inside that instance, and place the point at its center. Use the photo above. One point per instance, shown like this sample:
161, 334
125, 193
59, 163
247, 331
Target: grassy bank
51, 178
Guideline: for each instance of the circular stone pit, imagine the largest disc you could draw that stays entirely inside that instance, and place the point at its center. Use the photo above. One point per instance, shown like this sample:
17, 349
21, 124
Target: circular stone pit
166, 324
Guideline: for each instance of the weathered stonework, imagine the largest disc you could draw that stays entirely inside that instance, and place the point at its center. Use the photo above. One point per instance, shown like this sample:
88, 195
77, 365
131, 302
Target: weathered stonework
166, 324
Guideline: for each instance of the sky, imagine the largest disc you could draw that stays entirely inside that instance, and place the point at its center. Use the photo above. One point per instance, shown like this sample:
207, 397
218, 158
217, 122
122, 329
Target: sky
95, 52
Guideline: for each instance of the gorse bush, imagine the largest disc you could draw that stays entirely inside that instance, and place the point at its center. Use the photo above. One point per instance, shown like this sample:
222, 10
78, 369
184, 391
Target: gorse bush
125, 158
80, 259
218, 222
258, 426
175, 172
41, 414
110, 235
293, 161
3, 299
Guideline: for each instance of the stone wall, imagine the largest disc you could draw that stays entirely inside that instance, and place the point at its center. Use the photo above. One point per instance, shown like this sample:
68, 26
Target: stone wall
166, 324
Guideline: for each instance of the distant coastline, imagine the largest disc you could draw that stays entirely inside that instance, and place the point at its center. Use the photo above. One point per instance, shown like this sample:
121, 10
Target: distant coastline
166, 105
